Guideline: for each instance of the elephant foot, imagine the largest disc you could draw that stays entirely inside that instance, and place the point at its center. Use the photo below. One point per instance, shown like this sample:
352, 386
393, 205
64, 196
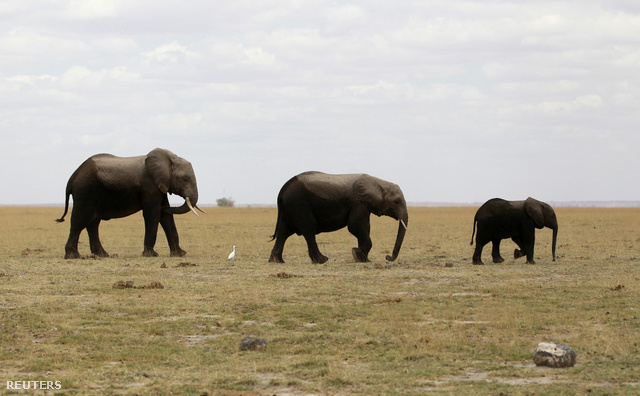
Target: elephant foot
359, 256
517, 253
71, 255
178, 253
320, 260
498, 260
149, 253
100, 253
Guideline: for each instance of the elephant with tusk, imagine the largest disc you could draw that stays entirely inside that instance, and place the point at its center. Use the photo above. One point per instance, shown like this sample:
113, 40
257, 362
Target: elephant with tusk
106, 187
315, 202
188, 202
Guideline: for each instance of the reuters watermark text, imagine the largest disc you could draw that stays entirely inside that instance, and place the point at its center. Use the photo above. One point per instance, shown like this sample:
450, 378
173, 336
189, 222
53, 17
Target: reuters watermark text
34, 385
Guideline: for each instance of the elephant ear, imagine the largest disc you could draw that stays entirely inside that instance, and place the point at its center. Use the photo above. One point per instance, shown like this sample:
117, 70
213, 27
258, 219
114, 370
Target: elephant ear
159, 163
370, 193
533, 208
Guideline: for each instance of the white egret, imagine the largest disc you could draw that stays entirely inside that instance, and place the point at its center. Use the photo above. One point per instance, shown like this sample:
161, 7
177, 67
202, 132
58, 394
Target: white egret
232, 255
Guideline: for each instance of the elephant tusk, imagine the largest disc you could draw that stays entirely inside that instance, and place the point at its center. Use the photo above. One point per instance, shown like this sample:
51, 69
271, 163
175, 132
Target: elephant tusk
403, 224
197, 207
190, 206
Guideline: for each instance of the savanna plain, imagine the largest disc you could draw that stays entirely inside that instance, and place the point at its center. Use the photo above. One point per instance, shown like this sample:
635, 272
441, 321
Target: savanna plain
428, 323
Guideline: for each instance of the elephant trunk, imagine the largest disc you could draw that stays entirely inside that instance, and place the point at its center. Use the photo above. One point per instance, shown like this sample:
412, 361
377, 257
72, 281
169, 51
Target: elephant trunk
553, 243
188, 205
402, 229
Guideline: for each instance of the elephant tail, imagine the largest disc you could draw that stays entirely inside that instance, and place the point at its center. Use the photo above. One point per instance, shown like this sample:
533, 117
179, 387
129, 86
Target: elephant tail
474, 231
275, 232
66, 207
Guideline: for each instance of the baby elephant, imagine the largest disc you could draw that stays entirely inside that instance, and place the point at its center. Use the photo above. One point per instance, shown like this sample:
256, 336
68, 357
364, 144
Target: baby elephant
499, 219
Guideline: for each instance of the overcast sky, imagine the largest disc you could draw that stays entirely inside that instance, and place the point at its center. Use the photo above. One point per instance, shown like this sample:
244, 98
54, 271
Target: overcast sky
456, 101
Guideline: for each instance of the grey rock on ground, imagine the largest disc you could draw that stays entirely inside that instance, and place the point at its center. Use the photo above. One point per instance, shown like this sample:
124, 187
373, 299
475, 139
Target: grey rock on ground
554, 355
253, 344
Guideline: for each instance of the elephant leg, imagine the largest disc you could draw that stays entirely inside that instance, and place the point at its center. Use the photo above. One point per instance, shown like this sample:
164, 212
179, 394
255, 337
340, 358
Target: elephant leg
79, 222
495, 251
94, 239
529, 243
278, 248
361, 230
282, 234
517, 253
151, 220
314, 252
168, 224
71, 248
477, 253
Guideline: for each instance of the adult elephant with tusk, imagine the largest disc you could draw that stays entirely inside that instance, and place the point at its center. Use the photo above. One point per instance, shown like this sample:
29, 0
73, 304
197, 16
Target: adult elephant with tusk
315, 202
106, 187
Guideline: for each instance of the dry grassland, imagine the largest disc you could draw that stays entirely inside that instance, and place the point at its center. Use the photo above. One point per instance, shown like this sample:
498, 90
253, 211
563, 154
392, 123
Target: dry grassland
428, 323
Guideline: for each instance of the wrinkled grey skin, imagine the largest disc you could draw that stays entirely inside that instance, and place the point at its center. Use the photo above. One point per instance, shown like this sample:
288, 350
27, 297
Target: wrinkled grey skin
106, 187
498, 219
315, 202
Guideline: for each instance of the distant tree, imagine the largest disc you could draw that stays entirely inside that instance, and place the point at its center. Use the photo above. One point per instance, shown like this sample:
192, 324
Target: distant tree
225, 202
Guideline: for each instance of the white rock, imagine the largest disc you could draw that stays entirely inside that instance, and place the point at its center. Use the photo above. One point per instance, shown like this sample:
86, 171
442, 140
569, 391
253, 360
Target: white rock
554, 355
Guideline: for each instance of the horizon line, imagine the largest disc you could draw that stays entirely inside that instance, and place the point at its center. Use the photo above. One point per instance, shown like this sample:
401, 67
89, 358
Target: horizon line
572, 203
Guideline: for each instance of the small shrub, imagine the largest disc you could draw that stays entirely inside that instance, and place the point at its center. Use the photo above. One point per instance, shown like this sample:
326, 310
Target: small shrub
225, 202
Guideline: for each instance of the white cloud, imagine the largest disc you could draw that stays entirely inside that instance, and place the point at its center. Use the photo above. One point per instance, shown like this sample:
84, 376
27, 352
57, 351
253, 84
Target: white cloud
91, 9
115, 45
176, 124
93, 140
30, 80
547, 23
591, 101
300, 41
258, 57
82, 78
344, 13
168, 53
28, 44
